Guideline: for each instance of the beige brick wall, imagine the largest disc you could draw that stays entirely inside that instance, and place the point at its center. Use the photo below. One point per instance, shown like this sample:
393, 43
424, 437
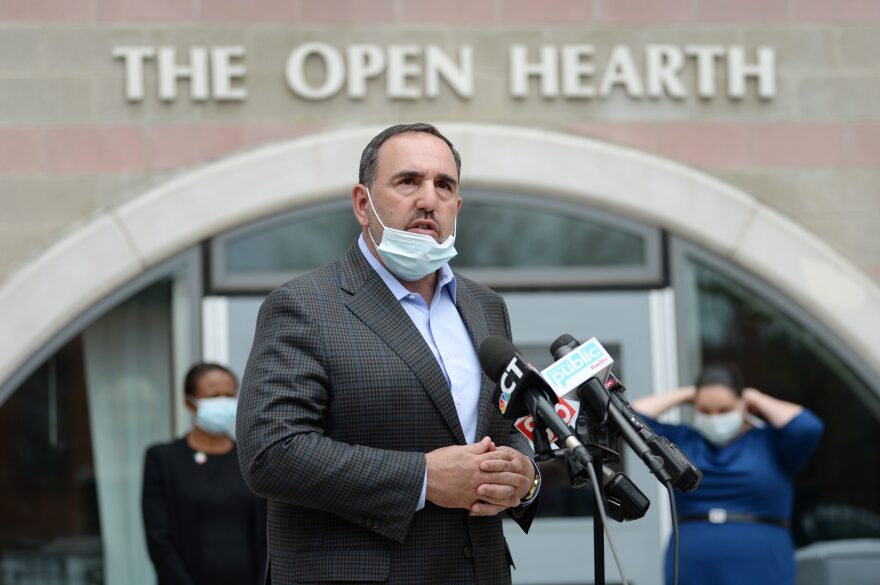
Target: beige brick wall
70, 143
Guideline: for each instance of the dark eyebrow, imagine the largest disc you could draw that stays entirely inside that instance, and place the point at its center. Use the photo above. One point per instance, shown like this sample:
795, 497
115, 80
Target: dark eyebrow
417, 175
448, 179
407, 175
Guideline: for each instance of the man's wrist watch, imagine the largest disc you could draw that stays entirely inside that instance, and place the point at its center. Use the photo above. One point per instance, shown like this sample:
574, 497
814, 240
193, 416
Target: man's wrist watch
533, 489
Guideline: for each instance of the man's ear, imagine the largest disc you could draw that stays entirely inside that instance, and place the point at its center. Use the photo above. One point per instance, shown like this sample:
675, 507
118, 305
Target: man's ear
359, 204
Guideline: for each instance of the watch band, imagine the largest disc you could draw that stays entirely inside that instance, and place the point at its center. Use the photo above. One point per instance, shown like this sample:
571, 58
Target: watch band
533, 489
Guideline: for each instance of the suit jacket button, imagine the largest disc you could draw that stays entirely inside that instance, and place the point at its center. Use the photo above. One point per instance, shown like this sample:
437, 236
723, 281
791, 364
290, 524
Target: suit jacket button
468, 552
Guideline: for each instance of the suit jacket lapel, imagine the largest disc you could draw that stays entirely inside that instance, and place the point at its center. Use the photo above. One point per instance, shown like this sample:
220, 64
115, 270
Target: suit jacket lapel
376, 307
472, 313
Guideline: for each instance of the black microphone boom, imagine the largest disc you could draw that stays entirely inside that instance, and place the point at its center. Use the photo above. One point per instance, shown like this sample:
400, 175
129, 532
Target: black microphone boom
685, 476
593, 395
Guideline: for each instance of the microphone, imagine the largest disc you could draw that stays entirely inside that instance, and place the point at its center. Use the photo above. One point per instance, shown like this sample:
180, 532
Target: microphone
523, 391
675, 465
624, 499
526, 424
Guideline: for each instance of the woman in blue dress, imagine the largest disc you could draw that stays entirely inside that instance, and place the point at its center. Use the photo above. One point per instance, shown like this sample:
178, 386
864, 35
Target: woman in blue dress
749, 446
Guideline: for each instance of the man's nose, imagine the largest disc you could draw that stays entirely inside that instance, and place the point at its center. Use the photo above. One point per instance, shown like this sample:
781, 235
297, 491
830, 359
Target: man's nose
427, 196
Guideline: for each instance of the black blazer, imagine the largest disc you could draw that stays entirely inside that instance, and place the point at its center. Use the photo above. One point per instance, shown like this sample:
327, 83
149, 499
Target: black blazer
340, 400
201, 521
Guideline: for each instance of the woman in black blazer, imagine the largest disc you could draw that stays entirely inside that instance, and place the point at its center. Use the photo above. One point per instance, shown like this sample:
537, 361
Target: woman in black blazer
203, 525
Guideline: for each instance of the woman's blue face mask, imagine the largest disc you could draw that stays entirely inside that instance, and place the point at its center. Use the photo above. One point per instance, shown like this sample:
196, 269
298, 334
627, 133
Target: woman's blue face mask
216, 416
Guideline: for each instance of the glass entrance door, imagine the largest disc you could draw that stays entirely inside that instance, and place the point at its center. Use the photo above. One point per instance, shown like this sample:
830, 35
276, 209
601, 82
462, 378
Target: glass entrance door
635, 326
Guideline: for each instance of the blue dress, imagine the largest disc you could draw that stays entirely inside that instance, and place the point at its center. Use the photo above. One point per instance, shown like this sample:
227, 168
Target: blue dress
751, 475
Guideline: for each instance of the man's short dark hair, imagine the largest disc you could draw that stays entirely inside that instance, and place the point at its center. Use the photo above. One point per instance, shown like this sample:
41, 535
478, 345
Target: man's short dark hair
370, 156
191, 381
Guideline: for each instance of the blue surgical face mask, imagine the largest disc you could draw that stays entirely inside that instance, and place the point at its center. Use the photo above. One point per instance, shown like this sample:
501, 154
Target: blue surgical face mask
719, 429
411, 256
216, 416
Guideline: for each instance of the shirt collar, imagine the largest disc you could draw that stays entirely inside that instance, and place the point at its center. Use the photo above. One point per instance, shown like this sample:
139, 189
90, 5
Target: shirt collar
397, 289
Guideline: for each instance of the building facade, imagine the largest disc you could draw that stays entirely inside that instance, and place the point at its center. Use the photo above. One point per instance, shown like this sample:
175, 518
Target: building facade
688, 181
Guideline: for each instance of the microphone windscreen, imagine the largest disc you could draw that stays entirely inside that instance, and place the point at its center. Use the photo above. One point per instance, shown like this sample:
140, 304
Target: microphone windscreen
561, 341
495, 353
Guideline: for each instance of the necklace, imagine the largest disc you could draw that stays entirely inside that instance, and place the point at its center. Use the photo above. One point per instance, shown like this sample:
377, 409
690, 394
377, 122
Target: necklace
200, 457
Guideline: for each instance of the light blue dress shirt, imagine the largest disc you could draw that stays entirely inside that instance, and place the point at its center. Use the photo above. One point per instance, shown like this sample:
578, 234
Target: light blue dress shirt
444, 331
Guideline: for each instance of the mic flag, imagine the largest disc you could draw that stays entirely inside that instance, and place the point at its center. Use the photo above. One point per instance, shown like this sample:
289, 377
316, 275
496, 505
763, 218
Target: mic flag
504, 365
577, 365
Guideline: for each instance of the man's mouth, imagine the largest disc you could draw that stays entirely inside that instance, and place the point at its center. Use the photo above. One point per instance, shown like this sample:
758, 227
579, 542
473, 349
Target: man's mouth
424, 226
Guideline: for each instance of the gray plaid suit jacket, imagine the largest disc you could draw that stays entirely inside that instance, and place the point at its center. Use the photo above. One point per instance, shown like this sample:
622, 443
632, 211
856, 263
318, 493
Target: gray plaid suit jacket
340, 400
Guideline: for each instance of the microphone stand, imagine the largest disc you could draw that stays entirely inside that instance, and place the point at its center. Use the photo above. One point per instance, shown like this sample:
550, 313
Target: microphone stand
578, 477
594, 435
600, 438
598, 531
624, 500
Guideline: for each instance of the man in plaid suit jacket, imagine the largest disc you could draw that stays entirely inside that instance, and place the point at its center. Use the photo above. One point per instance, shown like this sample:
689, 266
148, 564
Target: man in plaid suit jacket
366, 424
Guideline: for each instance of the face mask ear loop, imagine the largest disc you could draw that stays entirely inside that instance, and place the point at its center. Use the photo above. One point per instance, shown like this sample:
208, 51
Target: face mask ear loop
454, 232
379, 219
452, 235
